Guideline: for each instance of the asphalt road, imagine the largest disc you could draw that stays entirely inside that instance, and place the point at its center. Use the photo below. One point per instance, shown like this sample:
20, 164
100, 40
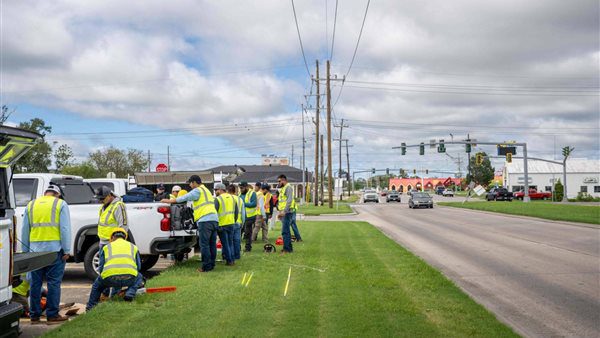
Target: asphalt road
540, 277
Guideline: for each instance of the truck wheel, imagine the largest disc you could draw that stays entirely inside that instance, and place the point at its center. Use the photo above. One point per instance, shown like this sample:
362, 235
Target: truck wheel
148, 261
91, 260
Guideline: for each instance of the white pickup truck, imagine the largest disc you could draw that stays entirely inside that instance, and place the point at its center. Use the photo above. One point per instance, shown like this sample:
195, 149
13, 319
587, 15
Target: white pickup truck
149, 224
120, 186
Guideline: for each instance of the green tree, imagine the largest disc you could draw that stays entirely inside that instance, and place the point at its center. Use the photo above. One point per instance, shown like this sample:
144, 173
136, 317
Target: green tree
39, 158
121, 162
85, 170
63, 157
559, 190
480, 174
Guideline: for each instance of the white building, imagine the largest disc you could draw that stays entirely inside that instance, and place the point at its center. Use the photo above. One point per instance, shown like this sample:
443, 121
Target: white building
582, 176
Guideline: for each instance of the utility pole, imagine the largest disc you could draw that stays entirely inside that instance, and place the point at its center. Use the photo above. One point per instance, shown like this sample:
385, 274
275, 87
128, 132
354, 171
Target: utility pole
322, 172
292, 155
329, 175
566, 153
169, 158
149, 165
303, 161
341, 139
350, 182
317, 138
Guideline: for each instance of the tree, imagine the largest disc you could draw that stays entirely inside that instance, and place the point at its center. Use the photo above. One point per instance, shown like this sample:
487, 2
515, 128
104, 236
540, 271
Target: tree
63, 157
559, 190
121, 162
85, 170
480, 174
39, 158
5, 114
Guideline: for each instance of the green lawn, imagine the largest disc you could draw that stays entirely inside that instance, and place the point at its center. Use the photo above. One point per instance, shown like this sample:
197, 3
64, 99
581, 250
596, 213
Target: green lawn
347, 280
546, 210
311, 210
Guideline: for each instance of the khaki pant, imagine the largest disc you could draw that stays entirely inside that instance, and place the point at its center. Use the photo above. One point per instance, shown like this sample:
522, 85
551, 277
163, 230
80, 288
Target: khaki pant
260, 223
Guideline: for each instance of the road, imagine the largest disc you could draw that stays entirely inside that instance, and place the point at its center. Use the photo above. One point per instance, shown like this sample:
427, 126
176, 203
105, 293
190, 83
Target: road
540, 277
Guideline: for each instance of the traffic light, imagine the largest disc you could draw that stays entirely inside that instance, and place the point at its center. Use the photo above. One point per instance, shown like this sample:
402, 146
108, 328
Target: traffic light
414, 171
426, 171
401, 172
403, 148
373, 170
508, 158
479, 159
422, 149
441, 147
468, 148
387, 171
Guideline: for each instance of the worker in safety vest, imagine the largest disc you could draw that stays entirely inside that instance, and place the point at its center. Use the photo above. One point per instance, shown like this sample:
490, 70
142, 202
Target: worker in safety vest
120, 266
287, 210
227, 208
112, 214
205, 215
266, 191
261, 218
237, 227
47, 228
175, 192
250, 203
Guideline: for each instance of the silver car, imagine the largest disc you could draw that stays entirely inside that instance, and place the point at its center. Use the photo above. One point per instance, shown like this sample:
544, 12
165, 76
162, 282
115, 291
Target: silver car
420, 200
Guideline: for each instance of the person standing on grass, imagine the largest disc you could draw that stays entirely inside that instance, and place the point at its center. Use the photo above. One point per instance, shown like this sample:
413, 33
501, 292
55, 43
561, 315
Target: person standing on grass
287, 207
250, 203
47, 228
205, 215
261, 218
237, 227
227, 208
265, 188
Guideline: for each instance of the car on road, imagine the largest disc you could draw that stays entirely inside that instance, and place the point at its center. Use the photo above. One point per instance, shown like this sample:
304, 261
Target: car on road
440, 190
533, 194
370, 196
419, 200
448, 193
499, 194
410, 192
393, 196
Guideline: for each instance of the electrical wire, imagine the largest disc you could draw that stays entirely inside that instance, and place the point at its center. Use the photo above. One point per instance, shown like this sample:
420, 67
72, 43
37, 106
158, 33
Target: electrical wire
485, 87
300, 38
333, 36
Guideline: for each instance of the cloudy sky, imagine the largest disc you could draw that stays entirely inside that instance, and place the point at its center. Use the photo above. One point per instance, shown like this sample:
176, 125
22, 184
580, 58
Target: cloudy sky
222, 82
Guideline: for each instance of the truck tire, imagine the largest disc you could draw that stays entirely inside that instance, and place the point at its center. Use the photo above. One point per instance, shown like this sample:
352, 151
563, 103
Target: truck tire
148, 261
91, 261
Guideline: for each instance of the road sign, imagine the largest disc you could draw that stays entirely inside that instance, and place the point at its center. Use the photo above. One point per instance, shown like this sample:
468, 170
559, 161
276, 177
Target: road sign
162, 168
111, 175
479, 190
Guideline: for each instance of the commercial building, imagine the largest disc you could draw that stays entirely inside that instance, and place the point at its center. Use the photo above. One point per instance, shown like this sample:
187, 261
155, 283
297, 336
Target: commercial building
408, 184
582, 176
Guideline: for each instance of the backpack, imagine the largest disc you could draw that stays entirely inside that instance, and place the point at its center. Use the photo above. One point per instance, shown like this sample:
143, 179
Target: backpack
138, 194
182, 217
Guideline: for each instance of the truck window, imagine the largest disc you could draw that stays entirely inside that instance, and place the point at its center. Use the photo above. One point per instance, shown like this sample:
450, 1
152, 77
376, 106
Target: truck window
4, 199
25, 190
96, 185
77, 193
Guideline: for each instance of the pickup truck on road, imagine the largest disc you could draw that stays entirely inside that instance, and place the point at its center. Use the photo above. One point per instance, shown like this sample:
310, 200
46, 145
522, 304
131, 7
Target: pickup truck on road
533, 194
499, 194
149, 225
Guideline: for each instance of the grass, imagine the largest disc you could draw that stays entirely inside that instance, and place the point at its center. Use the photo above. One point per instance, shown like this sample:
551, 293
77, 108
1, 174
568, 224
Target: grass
311, 210
366, 285
545, 210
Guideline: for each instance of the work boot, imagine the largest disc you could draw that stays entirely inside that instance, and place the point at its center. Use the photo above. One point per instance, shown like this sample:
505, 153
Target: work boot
35, 321
57, 320
128, 299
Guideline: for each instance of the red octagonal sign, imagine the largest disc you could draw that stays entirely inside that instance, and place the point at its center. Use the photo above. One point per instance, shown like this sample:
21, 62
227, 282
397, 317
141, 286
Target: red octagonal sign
162, 168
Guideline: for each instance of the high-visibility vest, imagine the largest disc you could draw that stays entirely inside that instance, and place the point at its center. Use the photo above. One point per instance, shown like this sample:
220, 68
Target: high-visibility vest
181, 192
119, 259
172, 197
205, 205
44, 219
267, 202
23, 288
107, 221
282, 201
250, 212
227, 206
240, 203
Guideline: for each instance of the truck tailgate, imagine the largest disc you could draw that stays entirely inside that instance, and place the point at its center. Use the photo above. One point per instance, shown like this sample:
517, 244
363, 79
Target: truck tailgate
29, 261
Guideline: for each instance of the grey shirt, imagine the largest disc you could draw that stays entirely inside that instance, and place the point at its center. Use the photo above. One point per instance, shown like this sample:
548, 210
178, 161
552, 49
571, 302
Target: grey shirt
120, 216
289, 192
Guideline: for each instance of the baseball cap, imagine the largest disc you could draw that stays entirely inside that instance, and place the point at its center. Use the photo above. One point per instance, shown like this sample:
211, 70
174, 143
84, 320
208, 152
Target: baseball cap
53, 188
265, 186
103, 191
243, 184
258, 184
176, 188
160, 186
194, 178
220, 186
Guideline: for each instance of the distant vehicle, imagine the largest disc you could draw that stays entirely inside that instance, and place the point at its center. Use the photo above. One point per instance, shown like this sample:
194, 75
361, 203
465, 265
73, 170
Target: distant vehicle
499, 194
370, 196
448, 193
393, 196
439, 190
420, 199
410, 192
533, 194
384, 192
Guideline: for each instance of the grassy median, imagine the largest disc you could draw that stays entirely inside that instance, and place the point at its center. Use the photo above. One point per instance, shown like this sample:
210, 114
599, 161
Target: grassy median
347, 280
311, 210
553, 211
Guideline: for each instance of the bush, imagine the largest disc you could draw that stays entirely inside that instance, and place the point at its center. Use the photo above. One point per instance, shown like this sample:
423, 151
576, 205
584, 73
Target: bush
585, 197
559, 190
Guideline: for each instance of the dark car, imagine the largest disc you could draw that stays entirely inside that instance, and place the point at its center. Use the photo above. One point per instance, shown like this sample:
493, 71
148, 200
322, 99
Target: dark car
419, 200
499, 194
393, 196
439, 190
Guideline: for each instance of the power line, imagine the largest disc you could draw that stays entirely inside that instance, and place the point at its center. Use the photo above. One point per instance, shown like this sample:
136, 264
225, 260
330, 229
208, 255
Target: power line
333, 37
486, 87
387, 124
300, 39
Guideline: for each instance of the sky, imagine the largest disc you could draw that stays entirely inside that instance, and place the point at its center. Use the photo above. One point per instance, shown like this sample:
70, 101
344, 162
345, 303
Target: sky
223, 82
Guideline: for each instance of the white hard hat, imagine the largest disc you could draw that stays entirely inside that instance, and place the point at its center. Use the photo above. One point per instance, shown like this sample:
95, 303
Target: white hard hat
176, 188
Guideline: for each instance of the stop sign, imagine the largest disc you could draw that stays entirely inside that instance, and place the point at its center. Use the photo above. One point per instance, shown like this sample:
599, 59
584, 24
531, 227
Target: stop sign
162, 168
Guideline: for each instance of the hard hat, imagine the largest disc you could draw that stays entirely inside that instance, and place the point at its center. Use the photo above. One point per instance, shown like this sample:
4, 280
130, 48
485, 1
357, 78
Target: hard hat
176, 188
121, 230
54, 188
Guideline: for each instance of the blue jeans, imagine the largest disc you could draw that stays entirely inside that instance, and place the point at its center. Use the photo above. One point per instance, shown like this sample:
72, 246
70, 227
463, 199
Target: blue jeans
54, 275
226, 236
237, 240
207, 236
295, 227
132, 283
286, 222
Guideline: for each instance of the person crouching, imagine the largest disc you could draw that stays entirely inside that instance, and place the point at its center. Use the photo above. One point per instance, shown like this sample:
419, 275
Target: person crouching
120, 266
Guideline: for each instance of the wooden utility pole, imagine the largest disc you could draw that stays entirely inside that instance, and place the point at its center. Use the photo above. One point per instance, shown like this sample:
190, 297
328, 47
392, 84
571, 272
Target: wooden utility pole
350, 182
292, 155
317, 138
340, 140
303, 161
329, 175
322, 173
168, 158
149, 161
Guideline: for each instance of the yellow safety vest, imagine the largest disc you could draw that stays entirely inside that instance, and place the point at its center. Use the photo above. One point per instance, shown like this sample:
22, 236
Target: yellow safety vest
172, 197
226, 210
267, 202
44, 219
23, 288
282, 201
250, 212
119, 259
205, 205
107, 221
240, 203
